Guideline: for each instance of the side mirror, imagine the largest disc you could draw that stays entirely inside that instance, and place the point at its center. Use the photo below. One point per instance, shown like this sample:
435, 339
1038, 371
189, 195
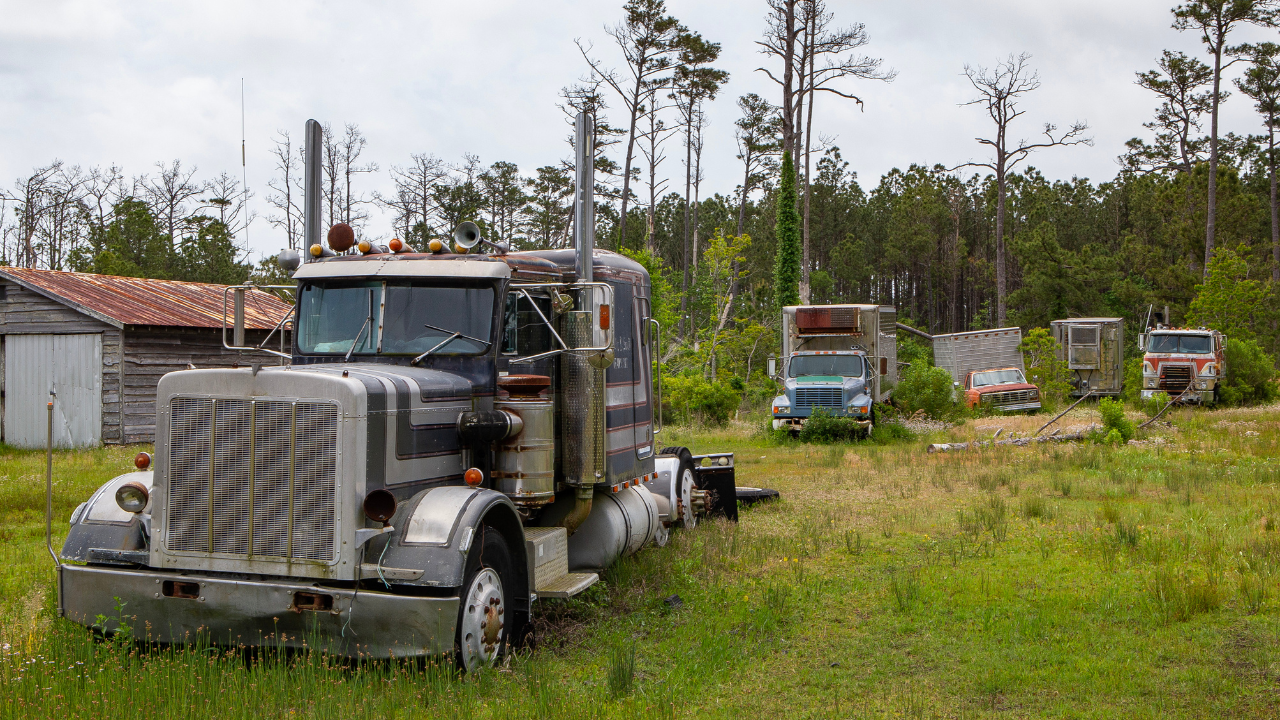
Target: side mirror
1142, 342
884, 366
773, 367
956, 384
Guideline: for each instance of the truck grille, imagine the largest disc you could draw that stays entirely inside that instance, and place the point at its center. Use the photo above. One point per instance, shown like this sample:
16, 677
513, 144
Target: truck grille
1174, 378
819, 397
269, 468
1008, 398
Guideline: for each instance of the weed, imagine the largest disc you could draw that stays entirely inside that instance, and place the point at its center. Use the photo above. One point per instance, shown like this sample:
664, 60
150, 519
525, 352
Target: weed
1062, 486
904, 585
622, 671
1253, 592
1178, 598
1127, 534
1034, 506
853, 542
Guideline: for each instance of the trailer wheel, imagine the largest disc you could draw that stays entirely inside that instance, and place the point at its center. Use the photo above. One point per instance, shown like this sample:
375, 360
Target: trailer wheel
484, 606
685, 485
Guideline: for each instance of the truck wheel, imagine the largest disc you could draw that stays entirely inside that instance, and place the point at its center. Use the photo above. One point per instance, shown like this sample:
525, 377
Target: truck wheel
752, 495
484, 606
685, 485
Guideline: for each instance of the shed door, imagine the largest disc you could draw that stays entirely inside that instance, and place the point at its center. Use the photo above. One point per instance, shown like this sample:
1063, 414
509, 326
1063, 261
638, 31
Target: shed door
68, 364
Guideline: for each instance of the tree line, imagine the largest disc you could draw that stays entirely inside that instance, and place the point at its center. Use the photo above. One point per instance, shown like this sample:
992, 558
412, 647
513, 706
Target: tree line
986, 243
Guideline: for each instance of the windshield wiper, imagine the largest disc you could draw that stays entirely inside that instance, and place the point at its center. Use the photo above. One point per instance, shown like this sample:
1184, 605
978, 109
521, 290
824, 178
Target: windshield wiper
453, 335
368, 319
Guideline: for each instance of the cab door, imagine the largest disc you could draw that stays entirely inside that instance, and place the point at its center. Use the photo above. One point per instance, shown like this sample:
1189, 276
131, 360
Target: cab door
643, 354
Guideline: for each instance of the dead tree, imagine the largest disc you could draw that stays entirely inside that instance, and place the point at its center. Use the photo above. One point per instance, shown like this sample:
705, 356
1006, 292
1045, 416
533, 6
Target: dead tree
286, 188
999, 91
648, 41
169, 193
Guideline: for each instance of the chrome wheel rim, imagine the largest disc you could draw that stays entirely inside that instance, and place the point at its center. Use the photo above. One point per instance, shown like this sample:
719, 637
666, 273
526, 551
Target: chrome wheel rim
687, 517
483, 619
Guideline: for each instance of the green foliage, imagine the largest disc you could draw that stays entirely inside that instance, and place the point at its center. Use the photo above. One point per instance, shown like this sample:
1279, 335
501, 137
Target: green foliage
132, 245
1045, 368
269, 272
1251, 374
1116, 427
1230, 301
786, 269
823, 427
1133, 378
693, 399
664, 298
913, 350
926, 388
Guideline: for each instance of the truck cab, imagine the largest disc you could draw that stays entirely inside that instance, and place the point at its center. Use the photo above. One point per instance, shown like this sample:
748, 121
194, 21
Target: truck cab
1186, 364
834, 381
453, 435
1000, 389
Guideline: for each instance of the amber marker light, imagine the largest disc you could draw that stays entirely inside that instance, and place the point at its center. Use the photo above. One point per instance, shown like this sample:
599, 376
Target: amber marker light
395, 245
436, 246
604, 317
473, 476
316, 250
142, 460
365, 246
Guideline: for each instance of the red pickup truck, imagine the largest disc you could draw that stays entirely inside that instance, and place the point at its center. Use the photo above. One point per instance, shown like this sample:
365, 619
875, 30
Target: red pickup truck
1003, 389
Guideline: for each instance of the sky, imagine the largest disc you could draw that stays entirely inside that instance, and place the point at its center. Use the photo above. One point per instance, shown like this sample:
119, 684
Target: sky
136, 82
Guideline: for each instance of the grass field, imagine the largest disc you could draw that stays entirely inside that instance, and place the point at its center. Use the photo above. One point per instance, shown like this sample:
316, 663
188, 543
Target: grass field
1058, 580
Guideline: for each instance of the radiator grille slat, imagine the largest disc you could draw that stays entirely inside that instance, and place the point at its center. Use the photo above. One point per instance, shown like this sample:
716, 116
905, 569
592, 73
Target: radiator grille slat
270, 469
819, 397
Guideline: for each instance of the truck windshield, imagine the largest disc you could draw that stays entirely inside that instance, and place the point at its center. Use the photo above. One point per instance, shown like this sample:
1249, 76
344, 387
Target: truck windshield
998, 377
414, 318
838, 365
1193, 344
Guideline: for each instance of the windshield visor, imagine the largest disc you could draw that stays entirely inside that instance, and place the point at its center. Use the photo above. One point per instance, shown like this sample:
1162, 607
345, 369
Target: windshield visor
1191, 344
997, 377
829, 365
413, 319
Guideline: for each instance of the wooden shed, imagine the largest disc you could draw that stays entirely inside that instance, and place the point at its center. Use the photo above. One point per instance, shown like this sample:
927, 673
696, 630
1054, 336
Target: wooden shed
102, 343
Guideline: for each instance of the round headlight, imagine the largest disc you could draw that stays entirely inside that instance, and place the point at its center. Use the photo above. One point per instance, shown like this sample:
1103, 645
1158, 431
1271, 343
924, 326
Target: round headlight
132, 496
724, 460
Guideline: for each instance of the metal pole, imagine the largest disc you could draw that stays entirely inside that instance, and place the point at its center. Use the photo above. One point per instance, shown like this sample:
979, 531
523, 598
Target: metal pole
311, 188
48, 486
237, 328
1064, 412
584, 209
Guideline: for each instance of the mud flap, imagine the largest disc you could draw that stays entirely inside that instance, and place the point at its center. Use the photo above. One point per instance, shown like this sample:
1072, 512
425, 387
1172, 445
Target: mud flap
718, 483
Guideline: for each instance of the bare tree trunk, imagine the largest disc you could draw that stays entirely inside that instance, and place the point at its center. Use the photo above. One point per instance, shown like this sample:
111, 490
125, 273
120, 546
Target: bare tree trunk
805, 291
1212, 205
1275, 210
1001, 272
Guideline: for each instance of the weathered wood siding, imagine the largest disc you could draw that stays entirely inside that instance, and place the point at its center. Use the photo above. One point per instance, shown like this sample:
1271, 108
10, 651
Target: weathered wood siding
149, 353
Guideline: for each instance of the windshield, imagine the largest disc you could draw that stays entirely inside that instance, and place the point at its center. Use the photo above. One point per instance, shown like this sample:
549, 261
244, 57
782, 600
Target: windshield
841, 365
998, 377
1194, 344
413, 319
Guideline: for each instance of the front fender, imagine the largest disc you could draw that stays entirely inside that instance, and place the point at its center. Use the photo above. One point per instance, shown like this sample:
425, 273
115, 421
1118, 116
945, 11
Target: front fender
99, 523
436, 529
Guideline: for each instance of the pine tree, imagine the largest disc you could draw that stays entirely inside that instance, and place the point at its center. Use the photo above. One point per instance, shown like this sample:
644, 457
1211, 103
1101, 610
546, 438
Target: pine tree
786, 269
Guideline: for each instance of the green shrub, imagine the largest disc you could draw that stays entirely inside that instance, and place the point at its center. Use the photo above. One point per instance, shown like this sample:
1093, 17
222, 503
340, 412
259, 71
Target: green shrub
1251, 374
884, 433
926, 388
1154, 404
1116, 427
913, 350
1133, 379
1045, 369
822, 427
692, 399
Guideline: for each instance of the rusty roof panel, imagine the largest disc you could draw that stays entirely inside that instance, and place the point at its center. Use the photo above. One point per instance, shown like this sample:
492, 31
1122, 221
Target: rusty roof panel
145, 301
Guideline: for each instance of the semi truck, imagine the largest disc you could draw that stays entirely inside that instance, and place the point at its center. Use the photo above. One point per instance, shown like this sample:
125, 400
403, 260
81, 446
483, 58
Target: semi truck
457, 432
839, 359
986, 367
1185, 363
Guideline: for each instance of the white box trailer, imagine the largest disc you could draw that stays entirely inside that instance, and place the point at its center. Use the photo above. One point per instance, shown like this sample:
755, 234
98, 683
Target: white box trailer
870, 328
966, 352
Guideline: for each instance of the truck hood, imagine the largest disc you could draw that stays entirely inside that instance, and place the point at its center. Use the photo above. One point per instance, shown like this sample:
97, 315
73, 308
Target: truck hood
1007, 387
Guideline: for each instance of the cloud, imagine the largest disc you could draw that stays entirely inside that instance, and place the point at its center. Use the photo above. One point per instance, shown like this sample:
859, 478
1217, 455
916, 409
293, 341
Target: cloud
135, 83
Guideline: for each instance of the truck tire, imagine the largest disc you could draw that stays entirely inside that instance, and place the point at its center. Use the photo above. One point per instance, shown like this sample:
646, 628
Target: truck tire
752, 495
485, 601
685, 482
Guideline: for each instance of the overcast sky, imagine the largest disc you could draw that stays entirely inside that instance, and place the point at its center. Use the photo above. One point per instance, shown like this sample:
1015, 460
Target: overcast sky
95, 82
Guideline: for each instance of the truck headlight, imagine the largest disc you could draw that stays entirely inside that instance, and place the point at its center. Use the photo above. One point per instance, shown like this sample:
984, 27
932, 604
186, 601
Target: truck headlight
132, 497
781, 405
1201, 384
1151, 382
1035, 394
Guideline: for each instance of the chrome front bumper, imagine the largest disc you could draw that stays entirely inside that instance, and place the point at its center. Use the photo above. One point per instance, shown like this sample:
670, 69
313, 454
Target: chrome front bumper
1018, 407
234, 612
1198, 396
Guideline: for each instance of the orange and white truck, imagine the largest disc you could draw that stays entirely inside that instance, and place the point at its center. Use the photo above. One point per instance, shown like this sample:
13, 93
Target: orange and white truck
1185, 363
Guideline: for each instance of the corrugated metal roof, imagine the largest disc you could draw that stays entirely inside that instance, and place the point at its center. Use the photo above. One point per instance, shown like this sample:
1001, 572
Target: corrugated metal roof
123, 301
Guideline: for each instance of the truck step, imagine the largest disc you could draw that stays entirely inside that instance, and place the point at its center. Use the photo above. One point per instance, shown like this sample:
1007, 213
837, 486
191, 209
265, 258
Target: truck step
548, 549
568, 585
